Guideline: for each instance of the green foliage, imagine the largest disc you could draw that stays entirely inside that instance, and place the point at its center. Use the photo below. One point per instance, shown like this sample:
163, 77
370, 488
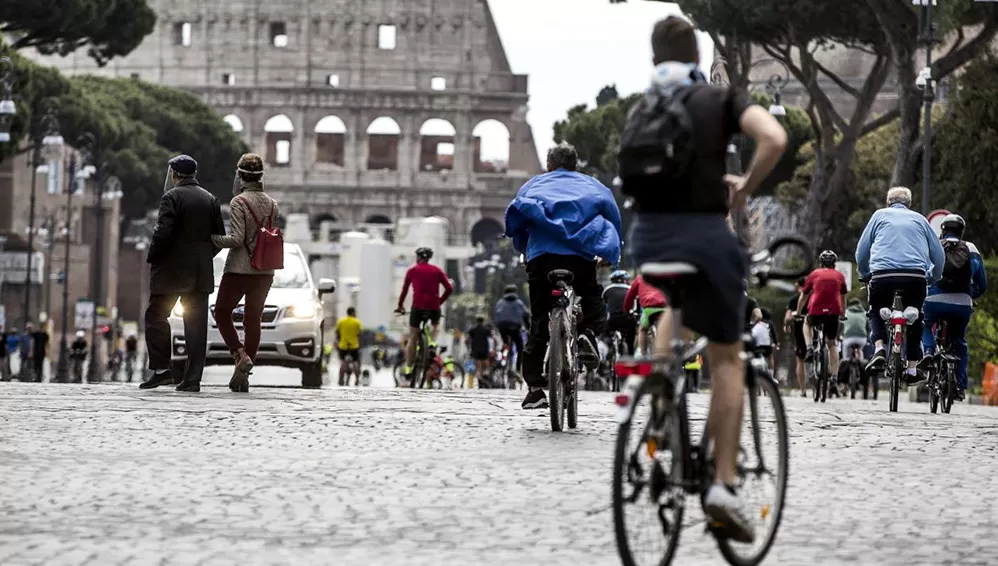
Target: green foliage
966, 166
109, 28
139, 126
595, 134
982, 334
799, 132
607, 95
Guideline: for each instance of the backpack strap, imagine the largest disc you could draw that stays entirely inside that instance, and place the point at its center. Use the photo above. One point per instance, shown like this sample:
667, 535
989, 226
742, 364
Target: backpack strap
249, 208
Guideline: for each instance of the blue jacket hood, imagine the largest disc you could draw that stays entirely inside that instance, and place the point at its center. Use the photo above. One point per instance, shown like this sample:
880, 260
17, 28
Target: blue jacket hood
565, 213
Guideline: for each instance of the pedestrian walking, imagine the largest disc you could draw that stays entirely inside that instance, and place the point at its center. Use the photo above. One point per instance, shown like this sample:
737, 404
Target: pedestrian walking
38, 354
181, 269
251, 210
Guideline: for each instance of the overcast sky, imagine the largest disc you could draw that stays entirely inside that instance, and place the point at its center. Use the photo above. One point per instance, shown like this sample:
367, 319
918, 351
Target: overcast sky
572, 48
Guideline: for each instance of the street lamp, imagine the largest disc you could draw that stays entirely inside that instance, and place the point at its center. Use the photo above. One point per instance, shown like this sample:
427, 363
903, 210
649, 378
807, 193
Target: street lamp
46, 141
110, 191
926, 83
86, 144
7, 107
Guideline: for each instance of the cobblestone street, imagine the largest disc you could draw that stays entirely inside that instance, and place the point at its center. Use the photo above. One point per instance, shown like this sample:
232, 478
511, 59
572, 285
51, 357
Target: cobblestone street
108, 474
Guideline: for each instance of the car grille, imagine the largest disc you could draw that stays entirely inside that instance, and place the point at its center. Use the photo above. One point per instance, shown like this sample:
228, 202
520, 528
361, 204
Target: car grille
269, 314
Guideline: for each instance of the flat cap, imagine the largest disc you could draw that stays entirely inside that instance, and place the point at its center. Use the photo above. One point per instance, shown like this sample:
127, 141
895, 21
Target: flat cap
184, 165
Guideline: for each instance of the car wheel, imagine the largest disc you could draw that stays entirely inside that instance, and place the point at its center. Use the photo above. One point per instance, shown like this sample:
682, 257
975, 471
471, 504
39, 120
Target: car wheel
311, 376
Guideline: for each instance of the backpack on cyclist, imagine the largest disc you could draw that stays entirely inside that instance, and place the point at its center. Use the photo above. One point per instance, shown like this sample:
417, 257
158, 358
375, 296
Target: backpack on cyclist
268, 253
957, 267
657, 141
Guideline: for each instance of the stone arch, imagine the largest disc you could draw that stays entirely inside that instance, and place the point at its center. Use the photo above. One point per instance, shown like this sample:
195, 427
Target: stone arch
383, 226
486, 232
234, 122
278, 133
315, 224
491, 142
436, 145
383, 137
330, 140
378, 219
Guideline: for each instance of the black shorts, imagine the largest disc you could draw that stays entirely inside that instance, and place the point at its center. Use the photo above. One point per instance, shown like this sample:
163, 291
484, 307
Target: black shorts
622, 322
829, 324
715, 298
416, 317
800, 346
764, 351
354, 355
481, 355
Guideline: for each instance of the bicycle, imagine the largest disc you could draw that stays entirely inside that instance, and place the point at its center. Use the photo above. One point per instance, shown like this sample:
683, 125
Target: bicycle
820, 373
350, 367
420, 364
561, 358
678, 467
855, 369
942, 383
615, 351
130, 365
898, 319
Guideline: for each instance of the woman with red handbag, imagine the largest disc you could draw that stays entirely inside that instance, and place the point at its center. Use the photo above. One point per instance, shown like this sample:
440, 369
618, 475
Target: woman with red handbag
256, 250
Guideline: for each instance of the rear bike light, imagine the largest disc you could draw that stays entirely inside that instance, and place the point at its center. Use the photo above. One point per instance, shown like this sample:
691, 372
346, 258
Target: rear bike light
622, 400
556, 292
627, 369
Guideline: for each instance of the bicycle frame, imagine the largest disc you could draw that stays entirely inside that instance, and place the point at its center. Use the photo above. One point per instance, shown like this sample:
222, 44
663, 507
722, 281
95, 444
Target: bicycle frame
569, 302
897, 320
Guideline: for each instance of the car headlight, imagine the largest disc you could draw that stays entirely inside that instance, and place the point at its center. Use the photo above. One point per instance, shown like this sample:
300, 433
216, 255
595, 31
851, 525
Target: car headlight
302, 310
178, 309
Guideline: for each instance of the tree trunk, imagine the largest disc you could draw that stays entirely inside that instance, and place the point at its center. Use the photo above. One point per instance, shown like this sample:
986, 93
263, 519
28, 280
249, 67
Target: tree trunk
910, 108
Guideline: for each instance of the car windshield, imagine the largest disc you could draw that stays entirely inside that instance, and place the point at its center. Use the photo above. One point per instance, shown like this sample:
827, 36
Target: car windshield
293, 276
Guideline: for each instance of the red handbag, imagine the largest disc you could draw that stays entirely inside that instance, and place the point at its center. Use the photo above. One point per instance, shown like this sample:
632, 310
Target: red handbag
268, 253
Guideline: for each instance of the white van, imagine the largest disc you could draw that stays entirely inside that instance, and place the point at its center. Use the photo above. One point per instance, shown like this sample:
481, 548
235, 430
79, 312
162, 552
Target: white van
293, 322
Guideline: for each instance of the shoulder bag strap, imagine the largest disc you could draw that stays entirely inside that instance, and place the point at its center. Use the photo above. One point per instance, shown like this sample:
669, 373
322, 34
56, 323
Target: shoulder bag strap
249, 208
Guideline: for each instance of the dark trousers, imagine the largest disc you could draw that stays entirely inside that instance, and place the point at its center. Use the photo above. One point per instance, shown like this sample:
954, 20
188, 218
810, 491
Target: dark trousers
628, 328
234, 287
590, 293
195, 332
511, 335
880, 293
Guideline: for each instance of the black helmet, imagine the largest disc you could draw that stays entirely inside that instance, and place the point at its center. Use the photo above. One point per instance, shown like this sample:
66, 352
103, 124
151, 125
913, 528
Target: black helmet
953, 224
424, 253
827, 258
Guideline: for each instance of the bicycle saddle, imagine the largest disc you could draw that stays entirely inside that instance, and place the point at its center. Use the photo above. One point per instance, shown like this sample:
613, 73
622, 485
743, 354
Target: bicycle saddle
563, 275
667, 270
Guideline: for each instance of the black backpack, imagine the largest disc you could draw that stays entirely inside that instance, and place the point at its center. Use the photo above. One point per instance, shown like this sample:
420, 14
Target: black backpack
657, 140
956, 269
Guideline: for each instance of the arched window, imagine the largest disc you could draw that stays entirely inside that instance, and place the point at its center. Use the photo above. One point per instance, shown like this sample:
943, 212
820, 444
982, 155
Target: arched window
436, 141
383, 144
278, 132
491, 147
330, 140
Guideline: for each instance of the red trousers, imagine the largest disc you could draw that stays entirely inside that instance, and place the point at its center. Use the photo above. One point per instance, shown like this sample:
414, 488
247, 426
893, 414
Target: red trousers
233, 287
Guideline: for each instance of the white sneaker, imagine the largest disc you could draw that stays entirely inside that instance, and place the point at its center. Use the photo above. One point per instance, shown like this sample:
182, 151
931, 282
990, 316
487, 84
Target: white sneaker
724, 507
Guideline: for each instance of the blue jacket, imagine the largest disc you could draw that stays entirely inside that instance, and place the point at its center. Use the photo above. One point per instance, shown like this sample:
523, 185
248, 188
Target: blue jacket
978, 281
565, 213
899, 239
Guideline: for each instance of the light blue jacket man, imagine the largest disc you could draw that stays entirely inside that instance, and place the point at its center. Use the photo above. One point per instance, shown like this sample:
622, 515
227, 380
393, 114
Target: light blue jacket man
898, 239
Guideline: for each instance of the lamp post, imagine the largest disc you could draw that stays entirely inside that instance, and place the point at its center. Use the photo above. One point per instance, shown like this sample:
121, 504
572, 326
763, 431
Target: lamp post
774, 86
46, 139
110, 190
86, 144
7, 107
926, 83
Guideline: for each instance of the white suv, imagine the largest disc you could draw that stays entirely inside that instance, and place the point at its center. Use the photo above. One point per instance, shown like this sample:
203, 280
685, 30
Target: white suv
293, 322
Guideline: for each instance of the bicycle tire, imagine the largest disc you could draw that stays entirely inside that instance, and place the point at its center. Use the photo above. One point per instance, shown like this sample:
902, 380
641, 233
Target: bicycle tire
419, 367
947, 391
555, 363
620, 472
895, 369
934, 389
571, 394
728, 547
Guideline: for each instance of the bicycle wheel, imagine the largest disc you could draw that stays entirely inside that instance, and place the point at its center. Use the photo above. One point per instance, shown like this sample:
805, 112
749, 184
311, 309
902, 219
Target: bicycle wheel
647, 471
826, 380
419, 364
555, 368
571, 395
934, 389
894, 372
948, 389
816, 379
764, 458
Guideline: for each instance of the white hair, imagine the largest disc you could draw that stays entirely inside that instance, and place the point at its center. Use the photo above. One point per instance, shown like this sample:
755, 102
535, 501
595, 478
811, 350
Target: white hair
899, 195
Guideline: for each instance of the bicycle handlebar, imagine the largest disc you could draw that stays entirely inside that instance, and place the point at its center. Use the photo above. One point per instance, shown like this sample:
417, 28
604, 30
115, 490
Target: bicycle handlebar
761, 263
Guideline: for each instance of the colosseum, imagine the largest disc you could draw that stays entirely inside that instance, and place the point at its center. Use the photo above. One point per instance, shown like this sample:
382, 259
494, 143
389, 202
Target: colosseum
367, 112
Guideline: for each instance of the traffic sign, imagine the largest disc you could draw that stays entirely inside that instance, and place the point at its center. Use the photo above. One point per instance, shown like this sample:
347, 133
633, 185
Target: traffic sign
935, 219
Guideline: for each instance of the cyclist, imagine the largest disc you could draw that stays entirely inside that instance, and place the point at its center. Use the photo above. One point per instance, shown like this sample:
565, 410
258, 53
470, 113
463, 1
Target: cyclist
426, 280
618, 318
480, 338
651, 301
764, 337
348, 331
684, 219
824, 292
951, 299
896, 253
78, 353
511, 315
562, 219
792, 324
855, 329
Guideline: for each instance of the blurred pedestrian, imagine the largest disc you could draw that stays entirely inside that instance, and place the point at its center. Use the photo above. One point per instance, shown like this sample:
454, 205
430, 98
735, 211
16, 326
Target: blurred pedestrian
250, 210
4, 358
181, 271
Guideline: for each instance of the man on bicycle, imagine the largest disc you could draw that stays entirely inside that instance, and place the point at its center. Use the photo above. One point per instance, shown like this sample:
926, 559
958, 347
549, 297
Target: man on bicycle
896, 253
951, 299
562, 219
855, 329
511, 315
426, 280
348, 331
651, 301
824, 293
618, 318
683, 218
78, 353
